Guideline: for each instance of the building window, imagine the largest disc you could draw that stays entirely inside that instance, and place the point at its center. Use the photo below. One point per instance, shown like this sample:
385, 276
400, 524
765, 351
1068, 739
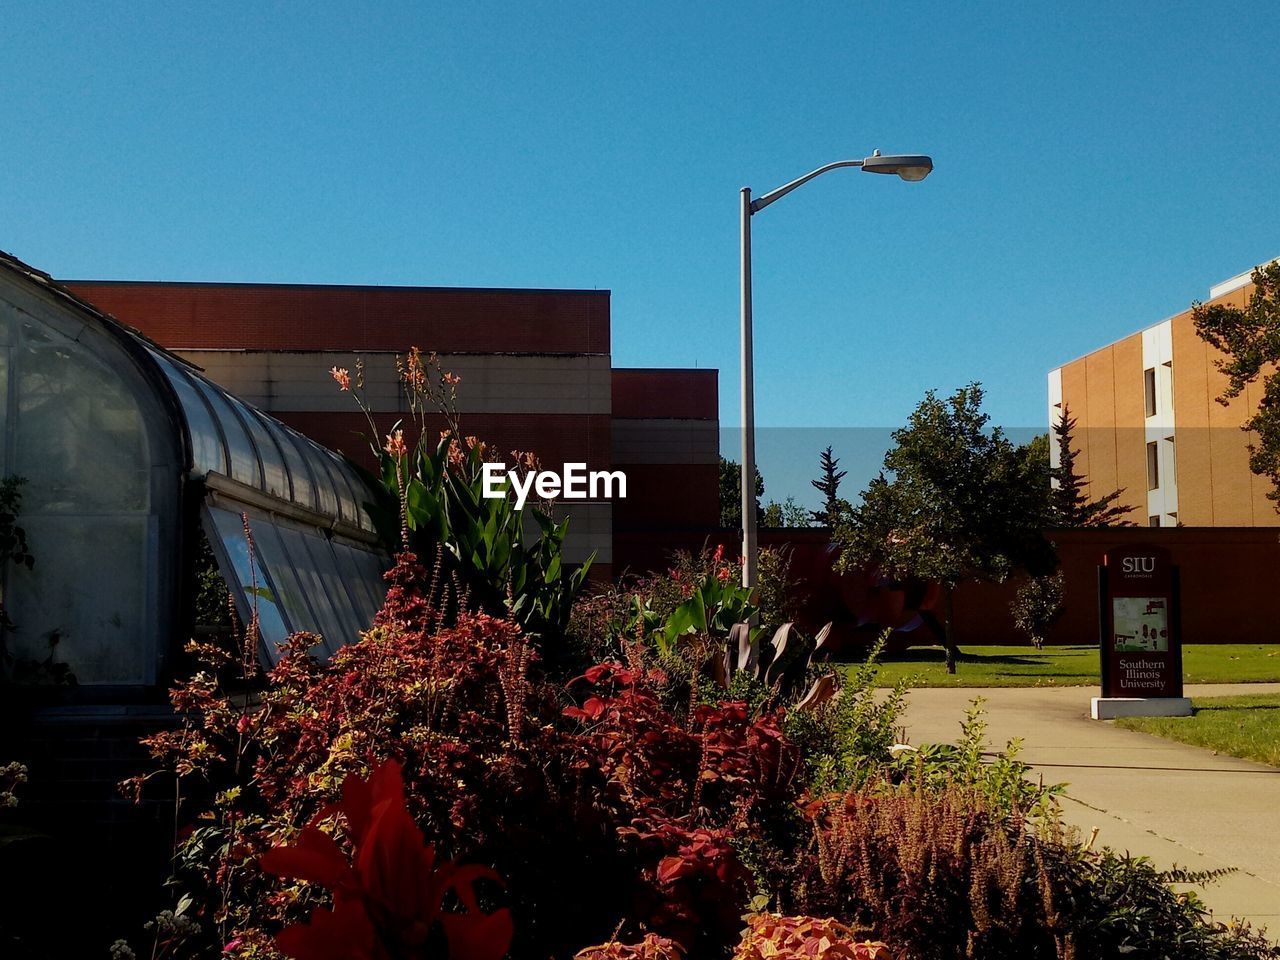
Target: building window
1153, 466
1149, 390
1153, 521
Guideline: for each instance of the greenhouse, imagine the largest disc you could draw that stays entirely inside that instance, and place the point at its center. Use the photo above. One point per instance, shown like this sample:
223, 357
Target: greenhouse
124, 458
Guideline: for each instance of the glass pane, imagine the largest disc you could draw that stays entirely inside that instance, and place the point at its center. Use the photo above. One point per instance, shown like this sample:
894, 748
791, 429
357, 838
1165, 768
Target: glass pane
328, 623
326, 499
293, 590
255, 588
304, 489
341, 486
362, 592
80, 437
331, 575
360, 493
275, 479
96, 611
244, 462
207, 452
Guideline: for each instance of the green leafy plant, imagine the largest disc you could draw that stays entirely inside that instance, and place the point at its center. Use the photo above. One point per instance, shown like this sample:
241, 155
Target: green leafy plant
1037, 605
999, 777
782, 669
848, 740
717, 600
510, 566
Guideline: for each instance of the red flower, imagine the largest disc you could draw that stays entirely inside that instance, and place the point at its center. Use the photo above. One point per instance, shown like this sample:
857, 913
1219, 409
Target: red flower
386, 903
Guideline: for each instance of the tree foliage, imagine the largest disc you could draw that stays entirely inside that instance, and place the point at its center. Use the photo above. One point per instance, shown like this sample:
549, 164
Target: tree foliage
788, 513
1250, 342
1069, 506
731, 494
829, 486
956, 500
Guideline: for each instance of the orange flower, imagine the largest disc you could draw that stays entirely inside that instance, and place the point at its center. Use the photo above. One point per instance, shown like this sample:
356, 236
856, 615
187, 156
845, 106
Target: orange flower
395, 444
386, 902
414, 374
341, 376
452, 379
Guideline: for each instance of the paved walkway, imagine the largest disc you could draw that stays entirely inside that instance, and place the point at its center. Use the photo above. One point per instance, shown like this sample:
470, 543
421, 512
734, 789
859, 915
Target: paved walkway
1169, 801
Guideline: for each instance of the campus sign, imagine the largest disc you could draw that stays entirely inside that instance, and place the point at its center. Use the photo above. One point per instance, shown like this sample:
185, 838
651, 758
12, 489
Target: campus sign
1141, 636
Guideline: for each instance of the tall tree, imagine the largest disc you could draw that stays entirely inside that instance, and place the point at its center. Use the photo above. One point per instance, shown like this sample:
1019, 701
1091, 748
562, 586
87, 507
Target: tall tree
731, 494
1068, 504
1250, 340
829, 486
956, 501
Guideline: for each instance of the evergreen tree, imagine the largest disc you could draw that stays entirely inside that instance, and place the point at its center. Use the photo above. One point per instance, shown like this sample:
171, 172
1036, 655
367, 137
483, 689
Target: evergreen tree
731, 494
1068, 505
829, 486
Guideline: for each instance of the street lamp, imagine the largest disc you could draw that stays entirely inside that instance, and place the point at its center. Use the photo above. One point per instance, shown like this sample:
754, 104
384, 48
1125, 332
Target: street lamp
908, 167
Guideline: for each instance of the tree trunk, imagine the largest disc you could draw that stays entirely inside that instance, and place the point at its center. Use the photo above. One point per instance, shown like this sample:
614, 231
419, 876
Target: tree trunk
948, 638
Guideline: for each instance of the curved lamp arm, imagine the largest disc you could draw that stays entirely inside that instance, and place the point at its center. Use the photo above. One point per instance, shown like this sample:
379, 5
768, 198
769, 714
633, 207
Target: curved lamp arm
762, 202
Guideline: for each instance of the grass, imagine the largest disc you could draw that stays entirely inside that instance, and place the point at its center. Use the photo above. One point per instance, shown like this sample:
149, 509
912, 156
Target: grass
1245, 726
1069, 666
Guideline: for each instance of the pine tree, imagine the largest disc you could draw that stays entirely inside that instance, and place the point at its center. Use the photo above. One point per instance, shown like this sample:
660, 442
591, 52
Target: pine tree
829, 486
1068, 505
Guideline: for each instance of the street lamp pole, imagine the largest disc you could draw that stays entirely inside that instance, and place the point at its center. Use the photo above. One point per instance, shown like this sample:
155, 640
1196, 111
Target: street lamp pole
908, 168
748, 407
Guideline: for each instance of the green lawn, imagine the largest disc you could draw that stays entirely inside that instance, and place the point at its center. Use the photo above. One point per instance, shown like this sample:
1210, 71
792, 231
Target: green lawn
1069, 666
1245, 726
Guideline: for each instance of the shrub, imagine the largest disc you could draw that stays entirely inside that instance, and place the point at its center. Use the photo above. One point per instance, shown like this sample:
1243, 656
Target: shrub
652, 947
847, 741
938, 873
770, 937
389, 900
434, 498
635, 812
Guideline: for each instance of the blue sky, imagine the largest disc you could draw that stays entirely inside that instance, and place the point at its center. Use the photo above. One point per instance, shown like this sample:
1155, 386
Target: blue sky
1098, 166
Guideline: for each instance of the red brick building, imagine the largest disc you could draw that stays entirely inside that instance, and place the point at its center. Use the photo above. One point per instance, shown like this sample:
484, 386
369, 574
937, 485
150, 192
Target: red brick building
536, 375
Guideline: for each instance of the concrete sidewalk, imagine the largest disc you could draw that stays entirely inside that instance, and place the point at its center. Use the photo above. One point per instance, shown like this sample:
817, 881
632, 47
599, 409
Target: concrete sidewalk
1175, 803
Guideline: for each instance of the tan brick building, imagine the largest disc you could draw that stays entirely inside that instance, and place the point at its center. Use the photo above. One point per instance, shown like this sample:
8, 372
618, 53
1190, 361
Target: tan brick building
1148, 421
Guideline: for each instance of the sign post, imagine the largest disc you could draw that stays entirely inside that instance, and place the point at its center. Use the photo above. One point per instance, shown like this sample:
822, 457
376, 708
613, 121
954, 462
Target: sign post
1140, 635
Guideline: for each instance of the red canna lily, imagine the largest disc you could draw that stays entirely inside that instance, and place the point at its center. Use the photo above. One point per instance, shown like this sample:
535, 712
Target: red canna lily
389, 900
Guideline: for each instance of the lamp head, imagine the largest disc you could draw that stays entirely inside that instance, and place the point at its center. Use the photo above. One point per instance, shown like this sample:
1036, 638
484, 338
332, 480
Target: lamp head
910, 167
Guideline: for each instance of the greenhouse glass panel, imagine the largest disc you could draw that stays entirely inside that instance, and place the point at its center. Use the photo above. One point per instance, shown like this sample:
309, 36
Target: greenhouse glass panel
342, 487
80, 439
244, 461
304, 488
245, 574
84, 603
328, 623
275, 478
362, 592
325, 496
293, 591
208, 455
335, 588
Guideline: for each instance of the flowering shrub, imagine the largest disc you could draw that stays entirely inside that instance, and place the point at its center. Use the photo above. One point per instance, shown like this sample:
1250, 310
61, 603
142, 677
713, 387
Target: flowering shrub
770, 937
389, 899
936, 872
435, 499
652, 947
639, 812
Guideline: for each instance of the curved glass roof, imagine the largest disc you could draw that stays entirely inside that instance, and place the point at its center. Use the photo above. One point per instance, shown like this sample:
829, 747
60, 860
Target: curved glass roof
234, 440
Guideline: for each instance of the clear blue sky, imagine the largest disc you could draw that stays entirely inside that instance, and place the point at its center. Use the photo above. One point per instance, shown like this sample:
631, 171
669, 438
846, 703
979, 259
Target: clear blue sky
1098, 166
